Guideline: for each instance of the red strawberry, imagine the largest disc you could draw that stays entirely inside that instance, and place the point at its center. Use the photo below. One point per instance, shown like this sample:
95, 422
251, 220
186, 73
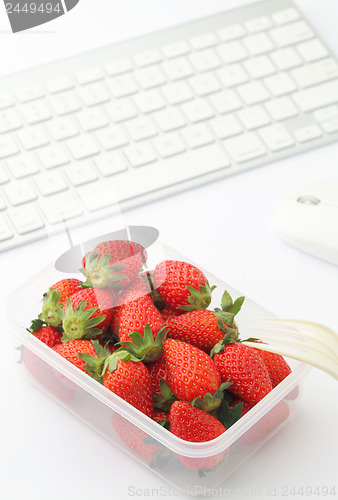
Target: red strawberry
136, 310
168, 312
113, 263
54, 299
244, 367
158, 370
192, 424
160, 415
70, 351
191, 372
182, 285
276, 365
47, 334
87, 313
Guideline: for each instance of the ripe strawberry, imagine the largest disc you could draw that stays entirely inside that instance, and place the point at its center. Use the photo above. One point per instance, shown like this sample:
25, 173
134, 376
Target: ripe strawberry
55, 298
70, 351
191, 372
182, 285
47, 334
87, 313
168, 312
244, 367
276, 365
160, 416
192, 424
102, 266
136, 310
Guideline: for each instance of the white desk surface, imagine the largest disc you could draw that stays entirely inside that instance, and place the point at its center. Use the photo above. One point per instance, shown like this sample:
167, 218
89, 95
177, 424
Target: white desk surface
45, 453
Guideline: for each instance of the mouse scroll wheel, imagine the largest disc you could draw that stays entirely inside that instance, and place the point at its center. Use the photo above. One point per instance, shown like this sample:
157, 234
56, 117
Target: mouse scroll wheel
308, 200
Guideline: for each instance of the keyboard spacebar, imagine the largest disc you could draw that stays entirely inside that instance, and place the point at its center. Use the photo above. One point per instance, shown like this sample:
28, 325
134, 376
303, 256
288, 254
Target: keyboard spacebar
153, 177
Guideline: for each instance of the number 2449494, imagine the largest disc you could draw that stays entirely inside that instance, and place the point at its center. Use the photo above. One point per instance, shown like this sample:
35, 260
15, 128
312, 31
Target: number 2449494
32, 8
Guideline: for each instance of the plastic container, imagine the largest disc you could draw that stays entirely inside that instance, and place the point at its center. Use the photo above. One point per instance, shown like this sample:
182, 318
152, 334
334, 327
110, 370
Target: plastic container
191, 467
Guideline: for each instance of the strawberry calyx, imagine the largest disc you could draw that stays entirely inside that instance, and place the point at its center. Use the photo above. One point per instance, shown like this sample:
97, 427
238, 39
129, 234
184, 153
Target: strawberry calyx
50, 306
78, 324
145, 348
166, 399
198, 299
228, 416
210, 402
36, 325
100, 274
220, 346
227, 312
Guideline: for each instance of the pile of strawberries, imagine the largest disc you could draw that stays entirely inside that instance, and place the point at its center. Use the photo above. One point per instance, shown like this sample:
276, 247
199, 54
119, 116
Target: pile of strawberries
150, 337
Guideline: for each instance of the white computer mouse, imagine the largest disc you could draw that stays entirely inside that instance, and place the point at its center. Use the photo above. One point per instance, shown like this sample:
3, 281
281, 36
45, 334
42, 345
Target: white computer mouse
307, 218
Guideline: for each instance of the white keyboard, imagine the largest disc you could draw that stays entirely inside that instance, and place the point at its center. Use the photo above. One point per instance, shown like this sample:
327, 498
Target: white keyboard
121, 126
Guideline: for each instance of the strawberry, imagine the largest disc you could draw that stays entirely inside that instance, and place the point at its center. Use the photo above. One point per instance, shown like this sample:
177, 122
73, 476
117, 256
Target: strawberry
168, 312
47, 334
136, 310
55, 298
276, 365
243, 366
270, 422
102, 266
192, 374
160, 416
87, 313
182, 285
158, 370
70, 351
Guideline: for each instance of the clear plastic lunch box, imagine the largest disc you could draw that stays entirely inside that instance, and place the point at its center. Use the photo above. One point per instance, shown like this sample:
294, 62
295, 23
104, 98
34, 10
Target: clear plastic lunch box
182, 464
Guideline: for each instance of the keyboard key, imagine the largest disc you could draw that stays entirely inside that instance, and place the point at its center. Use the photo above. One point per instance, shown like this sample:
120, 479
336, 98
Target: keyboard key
81, 173
9, 120
36, 112
276, 137
150, 100
19, 192
312, 50
53, 156
89, 76
326, 114
308, 133
60, 207
119, 67
253, 117
50, 183
205, 84
197, 110
121, 110
331, 126
286, 59
30, 93
5, 232
225, 101
147, 58
291, 34
3, 174
260, 66
2, 203
245, 147
141, 128
150, 77
232, 52
82, 147
111, 138
177, 92
226, 126
258, 44
8, 146
203, 41
176, 69
94, 94
197, 136
231, 33
139, 154
232, 75
122, 85
169, 119
22, 166
169, 145
62, 128
258, 24
26, 219
317, 97
60, 84
6, 101
253, 92
285, 16
205, 60
280, 84
314, 73
110, 164
92, 119
64, 103
33, 137
281, 108
176, 49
